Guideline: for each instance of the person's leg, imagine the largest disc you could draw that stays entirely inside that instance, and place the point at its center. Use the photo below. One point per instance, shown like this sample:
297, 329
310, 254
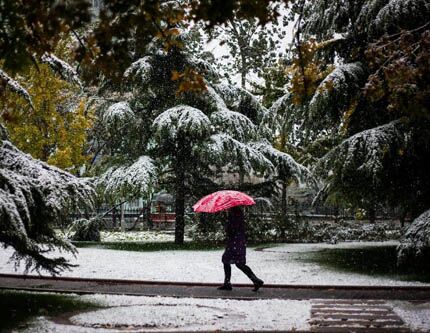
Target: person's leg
250, 274
227, 277
227, 273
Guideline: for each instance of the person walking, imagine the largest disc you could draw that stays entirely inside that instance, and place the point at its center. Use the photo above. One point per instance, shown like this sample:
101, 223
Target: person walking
235, 252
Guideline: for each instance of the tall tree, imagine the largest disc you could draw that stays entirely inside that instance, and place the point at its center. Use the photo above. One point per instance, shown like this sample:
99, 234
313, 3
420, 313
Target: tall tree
184, 131
372, 101
252, 48
188, 123
29, 32
54, 128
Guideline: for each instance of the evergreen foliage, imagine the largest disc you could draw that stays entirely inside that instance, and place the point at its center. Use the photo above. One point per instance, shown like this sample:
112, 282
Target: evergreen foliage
189, 127
252, 48
359, 79
414, 247
33, 196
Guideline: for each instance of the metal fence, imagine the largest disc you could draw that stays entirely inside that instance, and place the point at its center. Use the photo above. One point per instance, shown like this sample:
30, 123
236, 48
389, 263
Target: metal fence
141, 217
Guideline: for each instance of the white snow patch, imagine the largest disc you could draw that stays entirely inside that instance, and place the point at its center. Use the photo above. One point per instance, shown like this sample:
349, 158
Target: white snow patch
134, 313
416, 315
276, 265
137, 236
169, 313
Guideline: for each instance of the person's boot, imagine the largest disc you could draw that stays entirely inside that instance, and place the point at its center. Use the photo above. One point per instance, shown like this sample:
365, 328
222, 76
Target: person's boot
257, 283
226, 286
250, 274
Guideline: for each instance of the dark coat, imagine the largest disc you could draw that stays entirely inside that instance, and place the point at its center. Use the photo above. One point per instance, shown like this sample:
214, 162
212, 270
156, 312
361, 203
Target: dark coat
235, 252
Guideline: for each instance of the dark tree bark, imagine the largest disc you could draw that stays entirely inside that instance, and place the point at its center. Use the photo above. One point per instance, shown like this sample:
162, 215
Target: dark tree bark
284, 210
180, 194
372, 214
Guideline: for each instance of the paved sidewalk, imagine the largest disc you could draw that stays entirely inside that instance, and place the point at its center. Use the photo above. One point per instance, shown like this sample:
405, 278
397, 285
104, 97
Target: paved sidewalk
330, 308
209, 290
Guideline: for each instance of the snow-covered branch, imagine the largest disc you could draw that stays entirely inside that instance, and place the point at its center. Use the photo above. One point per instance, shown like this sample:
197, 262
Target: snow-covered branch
284, 163
118, 116
366, 152
33, 196
66, 71
335, 91
235, 124
16, 87
140, 69
415, 244
129, 181
182, 120
229, 150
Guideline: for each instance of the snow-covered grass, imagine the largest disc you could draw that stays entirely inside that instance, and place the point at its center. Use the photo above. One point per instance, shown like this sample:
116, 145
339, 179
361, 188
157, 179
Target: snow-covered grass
277, 265
171, 314
145, 236
137, 236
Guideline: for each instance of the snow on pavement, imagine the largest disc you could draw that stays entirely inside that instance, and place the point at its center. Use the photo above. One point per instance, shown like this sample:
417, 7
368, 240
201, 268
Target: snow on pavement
134, 313
275, 265
416, 315
141, 313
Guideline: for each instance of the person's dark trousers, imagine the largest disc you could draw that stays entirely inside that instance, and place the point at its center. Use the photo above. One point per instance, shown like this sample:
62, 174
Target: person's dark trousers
250, 274
227, 277
244, 268
227, 273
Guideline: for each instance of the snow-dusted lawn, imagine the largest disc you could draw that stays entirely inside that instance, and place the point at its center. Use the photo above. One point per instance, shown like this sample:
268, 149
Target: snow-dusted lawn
274, 265
137, 236
169, 314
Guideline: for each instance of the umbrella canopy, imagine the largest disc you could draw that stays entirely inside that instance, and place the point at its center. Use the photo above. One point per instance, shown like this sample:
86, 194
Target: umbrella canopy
222, 200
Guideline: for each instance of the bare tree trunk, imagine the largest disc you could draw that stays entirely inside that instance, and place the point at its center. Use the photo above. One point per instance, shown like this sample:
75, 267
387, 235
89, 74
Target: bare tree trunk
114, 217
372, 214
122, 218
402, 218
180, 208
180, 196
243, 78
284, 210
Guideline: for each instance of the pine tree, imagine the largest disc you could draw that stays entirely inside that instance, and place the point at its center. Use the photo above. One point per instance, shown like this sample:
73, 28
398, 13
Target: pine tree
186, 126
33, 197
372, 104
46, 117
252, 48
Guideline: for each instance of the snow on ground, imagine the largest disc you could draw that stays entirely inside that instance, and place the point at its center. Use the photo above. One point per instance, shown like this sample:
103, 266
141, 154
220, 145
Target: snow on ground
198, 314
133, 236
416, 315
137, 236
275, 265
134, 313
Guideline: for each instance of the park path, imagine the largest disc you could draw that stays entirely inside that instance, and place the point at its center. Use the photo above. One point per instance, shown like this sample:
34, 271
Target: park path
208, 290
333, 308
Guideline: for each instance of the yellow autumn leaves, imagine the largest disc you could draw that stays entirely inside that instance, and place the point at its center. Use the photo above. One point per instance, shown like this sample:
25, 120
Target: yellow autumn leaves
56, 129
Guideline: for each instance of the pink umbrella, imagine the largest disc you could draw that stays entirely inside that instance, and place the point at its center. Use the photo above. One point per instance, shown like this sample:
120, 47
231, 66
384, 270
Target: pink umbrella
222, 200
